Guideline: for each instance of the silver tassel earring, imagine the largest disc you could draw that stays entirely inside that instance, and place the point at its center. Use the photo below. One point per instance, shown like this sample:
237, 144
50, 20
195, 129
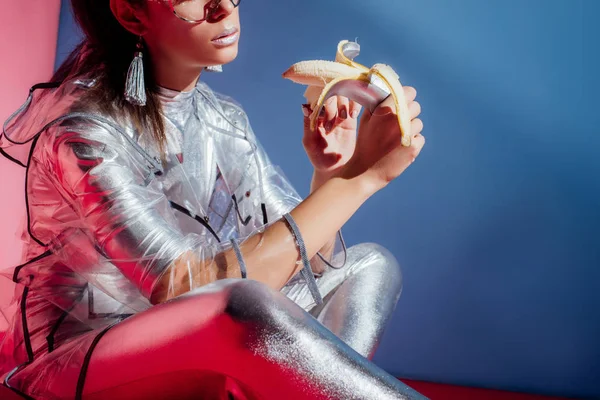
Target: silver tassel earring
135, 86
214, 68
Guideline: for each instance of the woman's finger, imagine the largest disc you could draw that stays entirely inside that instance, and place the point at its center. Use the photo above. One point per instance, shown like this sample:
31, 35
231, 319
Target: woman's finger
306, 111
418, 141
343, 107
330, 113
410, 93
416, 126
414, 109
354, 109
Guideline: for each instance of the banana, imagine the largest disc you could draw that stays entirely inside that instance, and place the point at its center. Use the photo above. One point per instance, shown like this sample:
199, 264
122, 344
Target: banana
346, 77
318, 72
328, 89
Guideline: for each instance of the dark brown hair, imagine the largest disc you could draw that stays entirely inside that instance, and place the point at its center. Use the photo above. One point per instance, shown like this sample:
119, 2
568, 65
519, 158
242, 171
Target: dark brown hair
105, 54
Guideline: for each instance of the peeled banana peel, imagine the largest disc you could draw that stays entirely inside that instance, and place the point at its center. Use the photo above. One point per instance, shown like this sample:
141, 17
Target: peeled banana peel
345, 77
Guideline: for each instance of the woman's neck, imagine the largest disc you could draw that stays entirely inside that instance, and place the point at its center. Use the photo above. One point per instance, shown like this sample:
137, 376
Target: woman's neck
175, 77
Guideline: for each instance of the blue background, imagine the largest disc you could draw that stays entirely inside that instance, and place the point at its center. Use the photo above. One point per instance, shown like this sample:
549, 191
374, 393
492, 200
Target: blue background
497, 224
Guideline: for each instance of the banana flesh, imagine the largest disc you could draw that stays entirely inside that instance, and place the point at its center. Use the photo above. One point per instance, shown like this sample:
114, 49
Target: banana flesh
318, 72
345, 77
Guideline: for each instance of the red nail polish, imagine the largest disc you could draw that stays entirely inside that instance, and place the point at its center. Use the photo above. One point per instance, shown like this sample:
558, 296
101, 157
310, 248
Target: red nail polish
306, 110
329, 125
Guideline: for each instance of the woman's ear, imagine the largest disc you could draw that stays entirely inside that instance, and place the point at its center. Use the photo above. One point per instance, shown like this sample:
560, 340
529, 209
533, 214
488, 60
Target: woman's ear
129, 16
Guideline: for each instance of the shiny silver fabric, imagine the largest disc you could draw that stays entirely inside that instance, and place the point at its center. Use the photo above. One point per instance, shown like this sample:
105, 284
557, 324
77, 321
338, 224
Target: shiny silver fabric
359, 297
272, 350
107, 220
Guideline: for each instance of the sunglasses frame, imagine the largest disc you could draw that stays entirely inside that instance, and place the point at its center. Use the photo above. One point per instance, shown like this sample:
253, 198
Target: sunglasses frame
212, 6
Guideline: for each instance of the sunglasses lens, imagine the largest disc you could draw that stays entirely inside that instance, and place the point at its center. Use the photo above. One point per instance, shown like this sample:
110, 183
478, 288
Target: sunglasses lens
197, 10
193, 10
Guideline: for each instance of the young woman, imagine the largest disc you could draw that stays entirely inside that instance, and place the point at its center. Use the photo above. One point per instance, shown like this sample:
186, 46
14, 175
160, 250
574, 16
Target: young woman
149, 201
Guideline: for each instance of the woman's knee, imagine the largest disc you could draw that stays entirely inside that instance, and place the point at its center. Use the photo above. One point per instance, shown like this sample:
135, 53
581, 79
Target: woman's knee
377, 259
243, 301
249, 301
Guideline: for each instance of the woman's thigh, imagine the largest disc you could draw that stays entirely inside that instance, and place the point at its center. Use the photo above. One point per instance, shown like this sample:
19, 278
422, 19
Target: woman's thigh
235, 328
231, 328
173, 348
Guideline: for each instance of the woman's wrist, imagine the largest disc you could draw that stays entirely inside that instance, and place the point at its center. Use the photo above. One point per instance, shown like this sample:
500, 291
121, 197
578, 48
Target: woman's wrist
319, 178
360, 186
364, 182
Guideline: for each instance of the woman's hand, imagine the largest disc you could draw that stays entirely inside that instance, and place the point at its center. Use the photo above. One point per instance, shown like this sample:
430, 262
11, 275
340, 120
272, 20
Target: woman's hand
333, 143
379, 155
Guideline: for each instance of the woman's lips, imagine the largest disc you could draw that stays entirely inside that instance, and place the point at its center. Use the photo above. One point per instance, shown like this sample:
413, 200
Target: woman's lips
227, 38
227, 32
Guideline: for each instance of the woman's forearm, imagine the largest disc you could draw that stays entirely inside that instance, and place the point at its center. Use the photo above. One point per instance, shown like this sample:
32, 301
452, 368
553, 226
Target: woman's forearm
318, 217
318, 179
271, 256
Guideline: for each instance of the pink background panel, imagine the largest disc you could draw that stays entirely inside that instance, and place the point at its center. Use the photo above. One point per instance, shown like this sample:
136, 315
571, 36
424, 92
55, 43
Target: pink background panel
29, 32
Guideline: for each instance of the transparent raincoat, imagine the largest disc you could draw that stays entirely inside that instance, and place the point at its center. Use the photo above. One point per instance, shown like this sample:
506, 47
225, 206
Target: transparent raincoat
107, 218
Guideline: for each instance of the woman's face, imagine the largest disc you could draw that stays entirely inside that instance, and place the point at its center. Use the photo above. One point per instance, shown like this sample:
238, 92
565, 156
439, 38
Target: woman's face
192, 45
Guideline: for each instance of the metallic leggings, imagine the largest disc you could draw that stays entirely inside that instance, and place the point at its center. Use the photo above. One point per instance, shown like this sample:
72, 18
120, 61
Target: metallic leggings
241, 339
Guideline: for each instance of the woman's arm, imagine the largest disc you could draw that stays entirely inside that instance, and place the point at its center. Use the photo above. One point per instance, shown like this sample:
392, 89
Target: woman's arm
133, 226
271, 255
328, 249
281, 197
128, 216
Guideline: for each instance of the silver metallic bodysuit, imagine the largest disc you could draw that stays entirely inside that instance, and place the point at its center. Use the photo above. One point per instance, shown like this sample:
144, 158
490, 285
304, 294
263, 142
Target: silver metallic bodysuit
106, 220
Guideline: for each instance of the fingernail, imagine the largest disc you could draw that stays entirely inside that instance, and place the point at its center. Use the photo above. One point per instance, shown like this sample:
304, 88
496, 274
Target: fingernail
343, 114
306, 109
354, 113
329, 125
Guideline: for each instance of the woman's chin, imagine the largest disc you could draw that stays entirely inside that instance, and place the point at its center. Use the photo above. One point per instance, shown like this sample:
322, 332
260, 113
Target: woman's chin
224, 57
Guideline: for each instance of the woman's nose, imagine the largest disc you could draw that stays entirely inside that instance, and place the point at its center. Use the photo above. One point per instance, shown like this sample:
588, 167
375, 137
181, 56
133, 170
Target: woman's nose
222, 10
